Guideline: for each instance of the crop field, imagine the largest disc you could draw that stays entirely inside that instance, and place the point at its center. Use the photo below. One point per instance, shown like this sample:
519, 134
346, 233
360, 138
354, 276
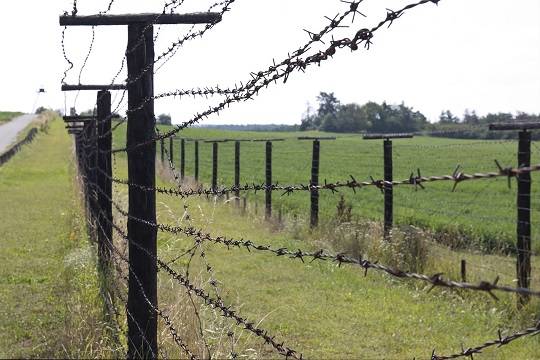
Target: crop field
480, 214
279, 294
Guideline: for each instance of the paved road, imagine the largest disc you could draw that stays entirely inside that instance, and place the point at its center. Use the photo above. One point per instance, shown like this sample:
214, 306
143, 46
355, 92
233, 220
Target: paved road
9, 131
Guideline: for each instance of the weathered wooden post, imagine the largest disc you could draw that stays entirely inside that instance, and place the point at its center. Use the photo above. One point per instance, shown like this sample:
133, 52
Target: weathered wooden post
314, 182
142, 293
464, 270
171, 149
162, 146
388, 178
214, 165
237, 172
104, 164
196, 161
268, 192
523, 230
182, 159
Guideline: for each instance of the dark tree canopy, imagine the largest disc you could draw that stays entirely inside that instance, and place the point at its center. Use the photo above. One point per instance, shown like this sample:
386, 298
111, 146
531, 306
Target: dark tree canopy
164, 119
334, 116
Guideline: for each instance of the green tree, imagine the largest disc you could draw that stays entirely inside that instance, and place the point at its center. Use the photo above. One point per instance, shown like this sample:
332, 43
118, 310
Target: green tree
164, 119
447, 117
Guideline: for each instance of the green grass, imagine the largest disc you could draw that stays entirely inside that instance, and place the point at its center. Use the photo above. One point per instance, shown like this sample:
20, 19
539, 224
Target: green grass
320, 309
480, 214
49, 292
6, 116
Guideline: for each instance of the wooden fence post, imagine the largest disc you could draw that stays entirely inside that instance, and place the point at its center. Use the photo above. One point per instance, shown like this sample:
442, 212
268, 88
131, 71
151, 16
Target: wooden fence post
142, 203
314, 219
162, 143
182, 159
196, 161
237, 172
524, 214
388, 189
214, 165
523, 244
463, 270
171, 149
104, 176
268, 192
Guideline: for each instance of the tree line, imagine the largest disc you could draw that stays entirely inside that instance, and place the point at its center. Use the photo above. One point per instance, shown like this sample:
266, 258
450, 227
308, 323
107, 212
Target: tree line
333, 116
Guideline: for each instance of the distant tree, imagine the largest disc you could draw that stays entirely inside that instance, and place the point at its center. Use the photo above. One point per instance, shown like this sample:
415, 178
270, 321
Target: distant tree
470, 117
164, 119
447, 117
307, 122
40, 110
328, 108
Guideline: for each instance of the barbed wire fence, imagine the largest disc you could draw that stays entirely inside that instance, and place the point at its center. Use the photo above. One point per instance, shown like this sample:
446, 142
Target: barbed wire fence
127, 238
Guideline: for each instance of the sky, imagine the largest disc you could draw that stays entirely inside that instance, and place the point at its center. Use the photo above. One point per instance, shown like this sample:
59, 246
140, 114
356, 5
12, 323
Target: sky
481, 55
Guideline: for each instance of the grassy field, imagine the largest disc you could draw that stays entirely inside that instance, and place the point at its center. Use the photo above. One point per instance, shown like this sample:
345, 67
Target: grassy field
6, 116
320, 309
480, 214
50, 302
49, 292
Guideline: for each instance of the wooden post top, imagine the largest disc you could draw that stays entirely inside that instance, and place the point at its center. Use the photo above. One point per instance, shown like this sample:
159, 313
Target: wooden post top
66, 87
387, 136
128, 19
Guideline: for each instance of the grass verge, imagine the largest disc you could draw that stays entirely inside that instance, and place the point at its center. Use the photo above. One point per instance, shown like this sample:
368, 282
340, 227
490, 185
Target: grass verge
49, 291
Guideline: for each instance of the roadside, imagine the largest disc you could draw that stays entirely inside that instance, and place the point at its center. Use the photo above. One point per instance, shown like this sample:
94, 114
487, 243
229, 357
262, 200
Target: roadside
10, 130
49, 294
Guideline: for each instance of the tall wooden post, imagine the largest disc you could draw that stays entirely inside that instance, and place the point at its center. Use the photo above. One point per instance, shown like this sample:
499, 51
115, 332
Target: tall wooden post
388, 189
196, 161
523, 244
214, 165
142, 204
162, 146
524, 214
171, 149
268, 192
91, 175
237, 172
104, 177
182, 159
142, 293
314, 219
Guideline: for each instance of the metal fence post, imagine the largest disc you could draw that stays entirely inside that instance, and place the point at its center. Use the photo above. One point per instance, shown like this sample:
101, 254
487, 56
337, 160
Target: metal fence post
388, 189
314, 220
524, 214
268, 192
237, 172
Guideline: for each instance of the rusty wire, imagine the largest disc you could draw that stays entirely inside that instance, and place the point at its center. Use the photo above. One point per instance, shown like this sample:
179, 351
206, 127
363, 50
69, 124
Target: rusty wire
227, 311
416, 180
436, 280
295, 62
500, 341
